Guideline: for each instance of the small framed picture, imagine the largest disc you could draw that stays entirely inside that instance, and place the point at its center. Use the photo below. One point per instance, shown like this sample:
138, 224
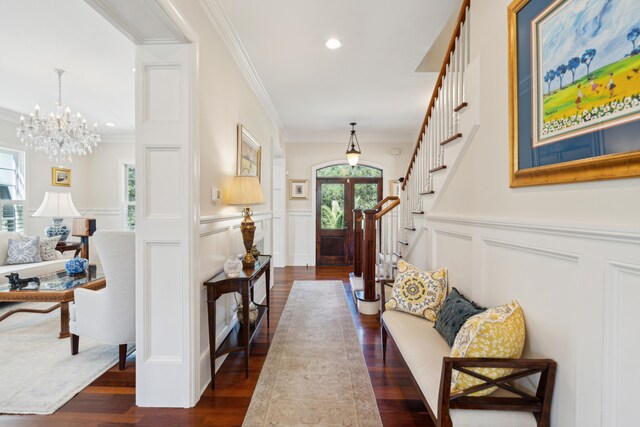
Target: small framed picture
249, 154
61, 177
299, 189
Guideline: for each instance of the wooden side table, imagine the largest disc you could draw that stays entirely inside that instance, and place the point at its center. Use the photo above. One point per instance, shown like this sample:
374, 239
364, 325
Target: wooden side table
240, 337
69, 246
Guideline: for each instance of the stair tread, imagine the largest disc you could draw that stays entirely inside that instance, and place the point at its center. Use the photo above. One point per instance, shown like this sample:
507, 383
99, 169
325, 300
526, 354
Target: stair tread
436, 169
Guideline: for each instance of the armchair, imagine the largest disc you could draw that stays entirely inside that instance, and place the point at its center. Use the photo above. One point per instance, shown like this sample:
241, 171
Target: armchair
108, 315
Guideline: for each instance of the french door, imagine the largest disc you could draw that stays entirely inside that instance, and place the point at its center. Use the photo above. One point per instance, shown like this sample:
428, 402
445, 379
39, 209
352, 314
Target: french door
335, 200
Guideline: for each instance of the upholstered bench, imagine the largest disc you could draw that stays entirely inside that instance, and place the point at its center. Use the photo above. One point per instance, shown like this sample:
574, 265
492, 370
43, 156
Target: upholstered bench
426, 354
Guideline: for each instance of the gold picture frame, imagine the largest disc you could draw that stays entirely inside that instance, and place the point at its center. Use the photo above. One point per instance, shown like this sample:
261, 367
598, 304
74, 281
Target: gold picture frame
602, 167
249, 154
60, 177
298, 189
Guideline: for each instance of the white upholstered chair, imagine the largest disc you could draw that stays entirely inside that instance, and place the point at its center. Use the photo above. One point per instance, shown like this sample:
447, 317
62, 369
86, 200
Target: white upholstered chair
108, 315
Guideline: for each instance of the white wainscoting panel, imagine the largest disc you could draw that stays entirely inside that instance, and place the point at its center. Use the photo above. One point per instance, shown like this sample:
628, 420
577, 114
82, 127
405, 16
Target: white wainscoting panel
301, 238
162, 101
163, 322
163, 163
622, 343
579, 289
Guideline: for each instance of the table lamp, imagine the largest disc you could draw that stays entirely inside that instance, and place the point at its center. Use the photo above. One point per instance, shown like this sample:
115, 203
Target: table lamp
245, 191
57, 206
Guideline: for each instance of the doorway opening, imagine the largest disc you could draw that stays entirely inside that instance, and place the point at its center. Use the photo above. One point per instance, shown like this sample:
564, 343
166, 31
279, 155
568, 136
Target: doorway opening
339, 190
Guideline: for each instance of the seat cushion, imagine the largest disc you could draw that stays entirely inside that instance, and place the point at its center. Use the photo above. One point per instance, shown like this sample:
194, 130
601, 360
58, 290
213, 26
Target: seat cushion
419, 292
422, 349
496, 332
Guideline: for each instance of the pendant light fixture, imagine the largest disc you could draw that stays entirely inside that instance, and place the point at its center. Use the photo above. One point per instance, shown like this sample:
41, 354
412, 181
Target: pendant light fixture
353, 153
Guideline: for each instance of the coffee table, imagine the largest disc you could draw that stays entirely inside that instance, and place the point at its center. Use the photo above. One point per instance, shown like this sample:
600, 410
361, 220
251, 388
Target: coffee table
55, 287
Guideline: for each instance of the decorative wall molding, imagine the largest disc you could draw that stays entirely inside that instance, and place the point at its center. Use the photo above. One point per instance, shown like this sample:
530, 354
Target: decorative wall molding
614, 235
612, 371
567, 256
220, 18
456, 234
210, 219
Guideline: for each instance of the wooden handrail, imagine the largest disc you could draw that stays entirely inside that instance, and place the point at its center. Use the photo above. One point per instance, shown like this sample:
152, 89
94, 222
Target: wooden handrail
461, 18
385, 200
388, 209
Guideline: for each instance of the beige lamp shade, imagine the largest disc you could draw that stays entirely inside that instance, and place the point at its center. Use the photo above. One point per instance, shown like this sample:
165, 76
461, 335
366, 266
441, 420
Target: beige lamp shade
57, 205
245, 190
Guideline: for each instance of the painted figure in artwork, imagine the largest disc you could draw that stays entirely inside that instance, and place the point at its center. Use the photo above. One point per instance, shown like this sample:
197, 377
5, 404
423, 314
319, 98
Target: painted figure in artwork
611, 85
594, 86
579, 98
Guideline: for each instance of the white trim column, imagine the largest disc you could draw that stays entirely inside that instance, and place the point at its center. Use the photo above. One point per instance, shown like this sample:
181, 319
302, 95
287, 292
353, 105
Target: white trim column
166, 226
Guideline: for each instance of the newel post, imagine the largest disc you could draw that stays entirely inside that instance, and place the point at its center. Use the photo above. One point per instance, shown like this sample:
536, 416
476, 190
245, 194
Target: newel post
357, 242
369, 255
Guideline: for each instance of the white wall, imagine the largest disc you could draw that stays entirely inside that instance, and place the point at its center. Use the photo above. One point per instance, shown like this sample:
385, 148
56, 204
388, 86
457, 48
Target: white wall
301, 158
570, 254
226, 99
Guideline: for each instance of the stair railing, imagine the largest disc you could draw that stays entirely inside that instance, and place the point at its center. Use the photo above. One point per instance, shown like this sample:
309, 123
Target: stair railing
375, 244
441, 122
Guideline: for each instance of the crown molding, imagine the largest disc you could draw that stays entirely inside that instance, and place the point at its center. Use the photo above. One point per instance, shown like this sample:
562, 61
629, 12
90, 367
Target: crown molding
118, 138
220, 18
11, 116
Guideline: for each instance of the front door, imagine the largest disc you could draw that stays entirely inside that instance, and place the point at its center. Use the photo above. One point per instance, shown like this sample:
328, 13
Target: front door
335, 200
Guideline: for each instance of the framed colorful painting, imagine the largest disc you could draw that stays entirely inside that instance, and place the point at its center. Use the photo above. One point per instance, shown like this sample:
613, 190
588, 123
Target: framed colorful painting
574, 90
249, 154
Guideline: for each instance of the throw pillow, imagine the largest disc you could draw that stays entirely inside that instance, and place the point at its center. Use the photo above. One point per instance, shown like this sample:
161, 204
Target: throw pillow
20, 252
404, 266
454, 313
47, 246
496, 332
419, 292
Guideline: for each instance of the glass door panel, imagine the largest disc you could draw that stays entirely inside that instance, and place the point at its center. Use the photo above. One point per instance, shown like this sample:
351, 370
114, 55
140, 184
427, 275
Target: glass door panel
332, 207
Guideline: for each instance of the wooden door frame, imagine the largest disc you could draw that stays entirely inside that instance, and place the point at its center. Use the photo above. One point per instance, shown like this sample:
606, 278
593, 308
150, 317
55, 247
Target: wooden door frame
349, 199
314, 169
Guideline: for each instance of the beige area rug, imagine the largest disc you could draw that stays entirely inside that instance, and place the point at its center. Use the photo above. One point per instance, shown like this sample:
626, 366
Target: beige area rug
315, 372
37, 372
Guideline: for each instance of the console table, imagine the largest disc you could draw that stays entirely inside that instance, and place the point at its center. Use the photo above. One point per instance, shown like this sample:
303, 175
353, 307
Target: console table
240, 337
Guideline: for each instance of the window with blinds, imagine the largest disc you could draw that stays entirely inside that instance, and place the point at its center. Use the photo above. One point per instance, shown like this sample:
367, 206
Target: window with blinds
12, 190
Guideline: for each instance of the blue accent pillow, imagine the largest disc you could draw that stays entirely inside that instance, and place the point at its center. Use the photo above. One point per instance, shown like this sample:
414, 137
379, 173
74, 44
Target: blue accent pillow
454, 313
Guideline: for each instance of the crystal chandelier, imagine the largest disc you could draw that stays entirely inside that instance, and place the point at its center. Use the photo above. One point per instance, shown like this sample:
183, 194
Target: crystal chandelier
59, 133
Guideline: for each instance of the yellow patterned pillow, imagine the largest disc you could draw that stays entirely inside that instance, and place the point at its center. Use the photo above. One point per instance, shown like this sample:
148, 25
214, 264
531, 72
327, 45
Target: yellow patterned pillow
404, 266
497, 332
419, 292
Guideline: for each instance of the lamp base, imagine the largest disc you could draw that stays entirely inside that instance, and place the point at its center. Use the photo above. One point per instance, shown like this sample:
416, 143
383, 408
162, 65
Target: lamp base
57, 228
248, 230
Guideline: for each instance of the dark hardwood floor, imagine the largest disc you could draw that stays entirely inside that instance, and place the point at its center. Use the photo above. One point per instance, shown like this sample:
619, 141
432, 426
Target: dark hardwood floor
110, 400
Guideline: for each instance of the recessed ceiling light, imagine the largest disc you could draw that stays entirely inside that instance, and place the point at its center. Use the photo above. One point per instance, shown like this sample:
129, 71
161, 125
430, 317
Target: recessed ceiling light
133, 69
110, 124
333, 44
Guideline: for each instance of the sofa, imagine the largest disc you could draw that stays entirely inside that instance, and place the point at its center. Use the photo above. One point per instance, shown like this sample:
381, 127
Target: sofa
25, 270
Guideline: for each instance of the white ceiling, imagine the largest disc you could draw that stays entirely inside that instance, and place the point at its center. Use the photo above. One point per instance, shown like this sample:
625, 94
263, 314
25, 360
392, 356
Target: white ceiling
372, 79
39, 35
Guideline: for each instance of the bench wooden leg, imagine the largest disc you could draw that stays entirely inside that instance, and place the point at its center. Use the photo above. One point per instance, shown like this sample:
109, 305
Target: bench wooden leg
384, 344
123, 357
75, 342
